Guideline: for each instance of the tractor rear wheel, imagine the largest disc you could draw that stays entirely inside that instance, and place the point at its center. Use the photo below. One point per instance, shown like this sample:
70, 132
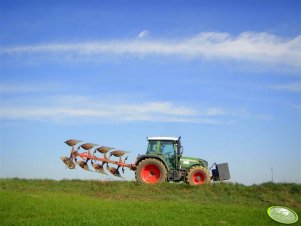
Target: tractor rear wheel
197, 175
151, 171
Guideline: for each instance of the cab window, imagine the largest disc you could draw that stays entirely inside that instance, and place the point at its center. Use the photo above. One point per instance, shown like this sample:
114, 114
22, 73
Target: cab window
152, 147
167, 148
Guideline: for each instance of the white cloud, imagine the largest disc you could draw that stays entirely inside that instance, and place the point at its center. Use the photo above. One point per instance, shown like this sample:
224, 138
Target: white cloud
291, 87
81, 109
157, 107
215, 111
143, 34
248, 46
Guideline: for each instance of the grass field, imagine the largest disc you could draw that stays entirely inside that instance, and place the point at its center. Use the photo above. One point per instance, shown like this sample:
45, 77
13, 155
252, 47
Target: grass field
76, 202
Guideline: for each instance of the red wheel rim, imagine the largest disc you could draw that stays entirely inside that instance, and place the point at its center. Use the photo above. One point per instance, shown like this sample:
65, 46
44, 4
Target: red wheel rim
198, 178
150, 173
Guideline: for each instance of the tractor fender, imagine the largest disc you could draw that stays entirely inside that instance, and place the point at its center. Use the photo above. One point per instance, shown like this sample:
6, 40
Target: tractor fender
142, 157
202, 164
196, 165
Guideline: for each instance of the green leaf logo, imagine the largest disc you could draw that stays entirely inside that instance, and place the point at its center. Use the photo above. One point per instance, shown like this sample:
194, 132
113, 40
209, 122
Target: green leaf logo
282, 214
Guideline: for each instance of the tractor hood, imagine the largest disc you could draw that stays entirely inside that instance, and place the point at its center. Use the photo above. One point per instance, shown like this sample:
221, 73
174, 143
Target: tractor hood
187, 162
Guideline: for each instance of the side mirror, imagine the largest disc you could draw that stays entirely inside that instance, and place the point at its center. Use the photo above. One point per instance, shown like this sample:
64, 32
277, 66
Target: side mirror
181, 150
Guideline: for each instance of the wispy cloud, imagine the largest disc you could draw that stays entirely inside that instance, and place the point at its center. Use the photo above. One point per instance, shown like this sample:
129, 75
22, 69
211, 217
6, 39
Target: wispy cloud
248, 46
291, 87
143, 34
68, 109
215, 111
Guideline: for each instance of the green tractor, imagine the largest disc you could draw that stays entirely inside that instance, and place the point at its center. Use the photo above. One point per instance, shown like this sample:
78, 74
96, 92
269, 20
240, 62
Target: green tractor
163, 161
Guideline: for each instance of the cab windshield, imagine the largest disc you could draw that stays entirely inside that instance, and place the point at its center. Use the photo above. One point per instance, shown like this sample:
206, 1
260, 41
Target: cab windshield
152, 147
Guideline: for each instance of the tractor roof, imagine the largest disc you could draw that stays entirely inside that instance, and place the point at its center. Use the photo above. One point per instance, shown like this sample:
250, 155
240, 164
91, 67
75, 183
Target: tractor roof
164, 138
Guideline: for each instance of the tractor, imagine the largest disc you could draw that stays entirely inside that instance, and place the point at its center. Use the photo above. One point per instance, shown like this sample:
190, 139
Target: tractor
163, 161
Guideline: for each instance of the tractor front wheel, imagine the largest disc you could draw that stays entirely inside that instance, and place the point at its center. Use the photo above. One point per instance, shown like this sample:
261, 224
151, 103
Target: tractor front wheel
151, 171
197, 175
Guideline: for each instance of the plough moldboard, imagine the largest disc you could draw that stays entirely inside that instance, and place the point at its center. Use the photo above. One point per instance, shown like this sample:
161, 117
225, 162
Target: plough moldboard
99, 163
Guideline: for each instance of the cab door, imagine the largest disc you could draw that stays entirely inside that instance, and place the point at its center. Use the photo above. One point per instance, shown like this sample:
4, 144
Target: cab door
167, 151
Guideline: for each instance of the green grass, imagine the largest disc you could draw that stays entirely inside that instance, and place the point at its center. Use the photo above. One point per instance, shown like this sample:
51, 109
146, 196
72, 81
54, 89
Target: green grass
76, 202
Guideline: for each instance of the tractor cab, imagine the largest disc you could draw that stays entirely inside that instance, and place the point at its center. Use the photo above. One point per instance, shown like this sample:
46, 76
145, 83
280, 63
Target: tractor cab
169, 148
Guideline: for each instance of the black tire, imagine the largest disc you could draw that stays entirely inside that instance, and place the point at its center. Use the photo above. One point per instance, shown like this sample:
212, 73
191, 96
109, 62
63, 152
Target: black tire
151, 171
197, 175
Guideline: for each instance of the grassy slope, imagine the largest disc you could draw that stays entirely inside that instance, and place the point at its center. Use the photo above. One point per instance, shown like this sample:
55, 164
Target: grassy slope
75, 202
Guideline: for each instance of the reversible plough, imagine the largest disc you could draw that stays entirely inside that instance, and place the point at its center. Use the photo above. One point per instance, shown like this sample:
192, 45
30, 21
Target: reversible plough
98, 163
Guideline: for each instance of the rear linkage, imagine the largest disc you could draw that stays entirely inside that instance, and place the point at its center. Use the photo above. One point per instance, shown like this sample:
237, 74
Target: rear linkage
97, 163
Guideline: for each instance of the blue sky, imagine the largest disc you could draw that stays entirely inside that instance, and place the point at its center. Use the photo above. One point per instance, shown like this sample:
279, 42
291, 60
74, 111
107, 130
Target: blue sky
224, 75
